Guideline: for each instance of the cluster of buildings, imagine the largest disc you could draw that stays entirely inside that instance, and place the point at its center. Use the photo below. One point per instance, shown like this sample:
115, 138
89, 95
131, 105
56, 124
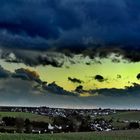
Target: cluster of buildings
54, 112
101, 125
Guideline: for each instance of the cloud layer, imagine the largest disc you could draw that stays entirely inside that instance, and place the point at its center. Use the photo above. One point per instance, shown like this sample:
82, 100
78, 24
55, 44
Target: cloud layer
31, 24
63, 33
91, 28
24, 87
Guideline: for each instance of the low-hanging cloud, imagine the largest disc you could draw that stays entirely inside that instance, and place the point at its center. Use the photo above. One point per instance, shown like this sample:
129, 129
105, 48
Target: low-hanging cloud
32, 57
32, 78
99, 78
75, 80
4, 73
19, 91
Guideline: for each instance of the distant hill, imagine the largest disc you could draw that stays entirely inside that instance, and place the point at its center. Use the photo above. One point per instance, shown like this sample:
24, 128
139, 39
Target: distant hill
127, 116
32, 117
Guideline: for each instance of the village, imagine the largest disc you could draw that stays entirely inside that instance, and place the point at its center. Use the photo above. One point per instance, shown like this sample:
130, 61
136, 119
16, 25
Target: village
62, 120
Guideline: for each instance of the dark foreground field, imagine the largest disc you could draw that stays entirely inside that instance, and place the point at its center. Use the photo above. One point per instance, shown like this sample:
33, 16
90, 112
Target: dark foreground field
118, 135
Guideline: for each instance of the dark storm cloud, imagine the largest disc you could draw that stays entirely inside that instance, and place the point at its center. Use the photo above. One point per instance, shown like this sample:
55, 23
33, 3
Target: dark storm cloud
127, 52
31, 24
32, 57
138, 76
32, 79
132, 54
53, 59
112, 93
99, 78
26, 74
23, 74
22, 92
92, 28
130, 91
4, 73
79, 89
23, 21
55, 89
75, 80
16, 91
119, 76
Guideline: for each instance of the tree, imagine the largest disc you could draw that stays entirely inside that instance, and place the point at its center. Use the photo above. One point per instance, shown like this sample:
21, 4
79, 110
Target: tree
9, 121
76, 121
28, 126
111, 120
85, 125
133, 125
19, 125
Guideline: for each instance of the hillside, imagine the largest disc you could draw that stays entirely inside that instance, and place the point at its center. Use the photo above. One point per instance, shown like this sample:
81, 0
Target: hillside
32, 117
129, 115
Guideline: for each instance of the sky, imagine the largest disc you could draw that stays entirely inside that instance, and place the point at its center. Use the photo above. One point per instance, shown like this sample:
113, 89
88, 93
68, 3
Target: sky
76, 54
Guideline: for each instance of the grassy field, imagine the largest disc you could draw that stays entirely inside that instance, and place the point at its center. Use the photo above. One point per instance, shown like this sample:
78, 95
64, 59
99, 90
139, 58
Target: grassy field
32, 117
129, 115
118, 135
121, 116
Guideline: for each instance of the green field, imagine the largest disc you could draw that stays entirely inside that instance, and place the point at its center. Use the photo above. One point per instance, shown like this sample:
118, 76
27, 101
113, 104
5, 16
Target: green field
32, 117
129, 115
114, 135
122, 116
118, 135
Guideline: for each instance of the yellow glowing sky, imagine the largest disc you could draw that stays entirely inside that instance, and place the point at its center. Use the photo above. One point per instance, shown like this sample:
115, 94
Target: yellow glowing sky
107, 69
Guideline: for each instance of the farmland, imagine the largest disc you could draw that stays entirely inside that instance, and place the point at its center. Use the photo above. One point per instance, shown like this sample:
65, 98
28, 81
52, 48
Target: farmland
33, 121
128, 115
120, 117
117, 117
32, 117
116, 135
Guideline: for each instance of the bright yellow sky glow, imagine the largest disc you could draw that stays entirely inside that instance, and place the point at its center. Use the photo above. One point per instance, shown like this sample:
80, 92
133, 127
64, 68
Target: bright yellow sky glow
107, 69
